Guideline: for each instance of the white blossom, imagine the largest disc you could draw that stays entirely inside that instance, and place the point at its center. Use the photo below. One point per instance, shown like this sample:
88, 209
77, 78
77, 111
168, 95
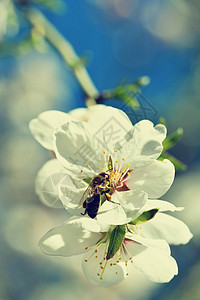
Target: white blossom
107, 143
144, 247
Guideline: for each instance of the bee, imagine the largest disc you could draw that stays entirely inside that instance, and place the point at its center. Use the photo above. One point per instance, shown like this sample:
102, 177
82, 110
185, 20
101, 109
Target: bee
91, 198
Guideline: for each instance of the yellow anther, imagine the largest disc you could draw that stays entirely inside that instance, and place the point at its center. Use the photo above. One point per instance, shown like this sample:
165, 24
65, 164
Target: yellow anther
124, 169
87, 165
104, 152
123, 159
115, 150
116, 161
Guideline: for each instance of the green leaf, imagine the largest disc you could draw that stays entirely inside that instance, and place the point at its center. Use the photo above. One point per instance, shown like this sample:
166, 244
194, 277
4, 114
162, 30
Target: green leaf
146, 216
179, 166
116, 240
172, 139
87, 180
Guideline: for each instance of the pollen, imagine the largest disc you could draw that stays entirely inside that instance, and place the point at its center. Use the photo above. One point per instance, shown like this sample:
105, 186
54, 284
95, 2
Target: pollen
86, 248
81, 171
104, 152
87, 165
116, 161
100, 263
111, 265
96, 251
96, 256
115, 150
131, 261
123, 159
86, 260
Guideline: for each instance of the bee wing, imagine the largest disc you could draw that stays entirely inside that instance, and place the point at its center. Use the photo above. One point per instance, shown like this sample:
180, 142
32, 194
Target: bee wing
87, 195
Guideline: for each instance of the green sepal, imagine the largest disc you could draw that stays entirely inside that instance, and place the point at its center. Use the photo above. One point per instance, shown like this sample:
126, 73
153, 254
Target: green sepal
116, 240
179, 166
172, 139
163, 121
88, 180
146, 216
126, 92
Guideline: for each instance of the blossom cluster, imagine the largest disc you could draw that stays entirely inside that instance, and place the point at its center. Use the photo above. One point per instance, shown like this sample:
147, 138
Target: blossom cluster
107, 175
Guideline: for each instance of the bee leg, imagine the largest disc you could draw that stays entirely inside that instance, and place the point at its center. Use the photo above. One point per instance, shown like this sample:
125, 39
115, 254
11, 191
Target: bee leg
108, 197
85, 212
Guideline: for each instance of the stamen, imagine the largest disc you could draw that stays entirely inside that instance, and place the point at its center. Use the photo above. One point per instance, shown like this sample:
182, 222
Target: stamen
103, 270
124, 169
115, 150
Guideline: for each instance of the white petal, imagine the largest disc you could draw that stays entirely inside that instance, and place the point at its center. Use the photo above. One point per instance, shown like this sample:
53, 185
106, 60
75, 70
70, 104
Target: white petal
125, 208
154, 179
43, 127
160, 244
131, 201
155, 263
71, 196
111, 125
84, 114
145, 142
48, 179
75, 145
111, 213
161, 205
93, 263
166, 227
71, 238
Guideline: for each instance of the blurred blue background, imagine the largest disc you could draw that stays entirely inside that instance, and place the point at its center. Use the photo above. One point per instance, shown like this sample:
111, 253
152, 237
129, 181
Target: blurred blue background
123, 40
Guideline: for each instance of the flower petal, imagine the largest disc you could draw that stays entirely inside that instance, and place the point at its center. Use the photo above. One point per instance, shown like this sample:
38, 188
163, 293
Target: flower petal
153, 260
154, 179
166, 227
43, 127
47, 183
71, 196
131, 201
125, 208
71, 238
111, 213
93, 265
75, 144
161, 205
83, 113
110, 126
145, 142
